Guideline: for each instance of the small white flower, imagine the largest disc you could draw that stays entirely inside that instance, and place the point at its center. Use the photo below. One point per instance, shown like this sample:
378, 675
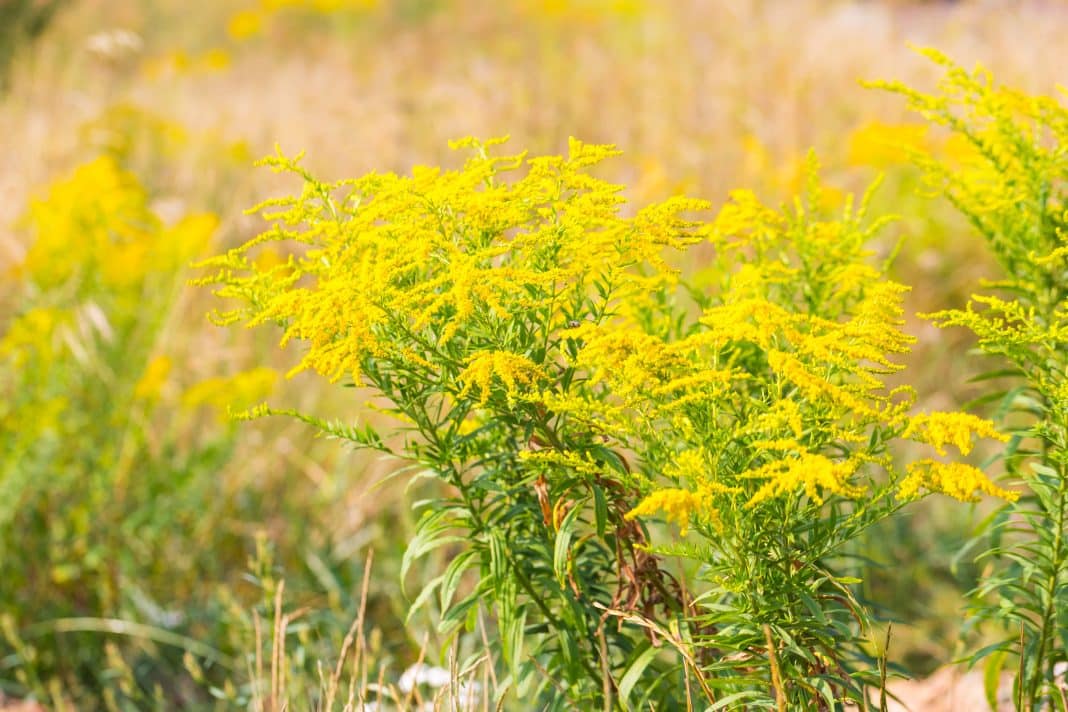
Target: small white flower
422, 674
114, 44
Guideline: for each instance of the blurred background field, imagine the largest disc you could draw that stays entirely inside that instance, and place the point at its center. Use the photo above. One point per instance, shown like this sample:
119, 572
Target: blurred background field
144, 535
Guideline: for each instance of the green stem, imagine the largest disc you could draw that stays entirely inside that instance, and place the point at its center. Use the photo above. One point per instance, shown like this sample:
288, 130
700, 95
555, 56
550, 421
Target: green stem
1049, 611
453, 475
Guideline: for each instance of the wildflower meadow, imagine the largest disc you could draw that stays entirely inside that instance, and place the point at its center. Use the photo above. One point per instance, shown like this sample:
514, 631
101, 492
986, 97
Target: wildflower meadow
573, 355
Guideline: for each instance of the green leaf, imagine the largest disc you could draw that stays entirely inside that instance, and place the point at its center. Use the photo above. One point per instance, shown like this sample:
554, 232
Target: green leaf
643, 655
999, 373
514, 637
563, 544
458, 613
992, 676
600, 510
422, 598
450, 580
727, 702
429, 535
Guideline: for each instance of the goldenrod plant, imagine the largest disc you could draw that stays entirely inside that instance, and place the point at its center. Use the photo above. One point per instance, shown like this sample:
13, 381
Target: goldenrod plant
1008, 178
131, 499
572, 391
82, 369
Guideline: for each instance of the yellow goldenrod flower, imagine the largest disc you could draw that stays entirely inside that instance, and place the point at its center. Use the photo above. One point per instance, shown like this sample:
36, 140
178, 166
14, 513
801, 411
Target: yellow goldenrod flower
882, 145
937, 429
955, 479
152, 380
245, 24
231, 394
679, 507
512, 370
32, 335
816, 473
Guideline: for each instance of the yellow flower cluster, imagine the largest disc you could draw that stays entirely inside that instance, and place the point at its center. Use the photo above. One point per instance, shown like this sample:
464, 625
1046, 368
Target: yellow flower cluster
33, 336
231, 394
250, 22
783, 364
882, 145
583, 11
957, 429
97, 225
955, 479
440, 255
679, 507
518, 275
817, 474
151, 382
512, 370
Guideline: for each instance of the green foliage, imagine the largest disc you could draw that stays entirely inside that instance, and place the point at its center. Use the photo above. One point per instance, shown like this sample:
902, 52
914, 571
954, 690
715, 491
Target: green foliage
1009, 179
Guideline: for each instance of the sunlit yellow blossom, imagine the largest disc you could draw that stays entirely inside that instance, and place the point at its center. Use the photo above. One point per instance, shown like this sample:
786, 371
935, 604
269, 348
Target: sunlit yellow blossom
512, 370
245, 24
32, 335
786, 414
818, 475
814, 386
689, 465
152, 380
938, 429
955, 479
679, 507
234, 393
437, 253
882, 145
960, 151
757, 320
708, 380
630, 360
89, 221
780, 444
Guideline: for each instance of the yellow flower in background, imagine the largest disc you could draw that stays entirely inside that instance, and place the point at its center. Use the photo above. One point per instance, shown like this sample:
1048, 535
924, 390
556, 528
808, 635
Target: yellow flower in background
216, 59
655, 181
123, 127
232, 393
181, 62
585, 11
32, 336
97, 215
251, 22
96, 228
184, 241
883, 145
155, 375
245, 24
